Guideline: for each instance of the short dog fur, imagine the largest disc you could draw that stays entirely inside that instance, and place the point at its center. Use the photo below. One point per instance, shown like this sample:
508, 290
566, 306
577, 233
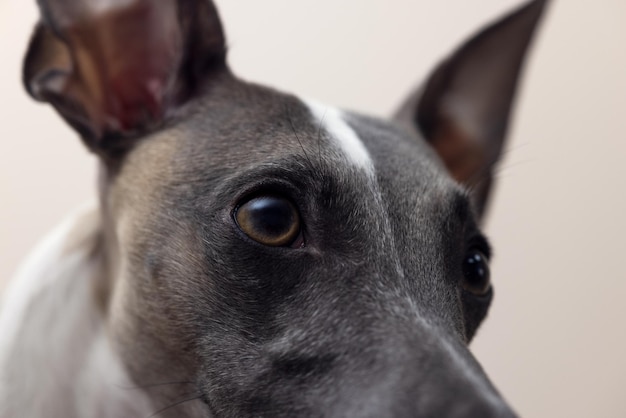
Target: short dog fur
254, 254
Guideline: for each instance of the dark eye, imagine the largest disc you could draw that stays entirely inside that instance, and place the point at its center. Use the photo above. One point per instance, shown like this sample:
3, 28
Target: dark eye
476, 277
270, 220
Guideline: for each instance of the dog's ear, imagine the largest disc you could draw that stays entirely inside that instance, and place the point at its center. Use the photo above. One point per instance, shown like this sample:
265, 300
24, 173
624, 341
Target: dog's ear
463, 110
116, 69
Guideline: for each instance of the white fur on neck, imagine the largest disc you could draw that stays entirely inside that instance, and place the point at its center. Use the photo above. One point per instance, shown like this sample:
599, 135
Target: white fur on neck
55, 357
333, 121
34, 274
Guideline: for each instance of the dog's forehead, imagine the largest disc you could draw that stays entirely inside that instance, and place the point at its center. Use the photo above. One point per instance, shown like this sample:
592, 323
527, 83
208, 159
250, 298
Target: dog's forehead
402, 159
265, 126
239, 129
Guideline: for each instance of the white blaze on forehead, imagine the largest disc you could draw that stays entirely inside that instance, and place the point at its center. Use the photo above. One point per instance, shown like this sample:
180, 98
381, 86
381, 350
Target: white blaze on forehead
333, 122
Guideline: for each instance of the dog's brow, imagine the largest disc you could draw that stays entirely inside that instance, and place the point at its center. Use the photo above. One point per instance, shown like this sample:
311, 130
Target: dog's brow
291, 172
461, 207
462, 210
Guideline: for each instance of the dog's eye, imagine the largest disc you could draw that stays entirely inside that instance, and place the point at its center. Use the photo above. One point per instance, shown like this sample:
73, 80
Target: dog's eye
269, 220
476, 277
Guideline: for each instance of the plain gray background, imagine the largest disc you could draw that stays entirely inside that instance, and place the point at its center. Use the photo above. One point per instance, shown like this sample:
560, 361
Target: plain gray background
555, 341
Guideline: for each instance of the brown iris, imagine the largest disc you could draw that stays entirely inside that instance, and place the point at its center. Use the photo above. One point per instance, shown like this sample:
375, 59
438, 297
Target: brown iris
269, 220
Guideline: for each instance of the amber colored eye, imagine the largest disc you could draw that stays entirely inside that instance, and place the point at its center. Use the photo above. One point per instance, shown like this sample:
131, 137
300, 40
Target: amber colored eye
269, 220
476, 276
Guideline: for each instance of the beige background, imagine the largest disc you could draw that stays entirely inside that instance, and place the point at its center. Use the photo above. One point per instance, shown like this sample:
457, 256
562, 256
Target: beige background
555, 342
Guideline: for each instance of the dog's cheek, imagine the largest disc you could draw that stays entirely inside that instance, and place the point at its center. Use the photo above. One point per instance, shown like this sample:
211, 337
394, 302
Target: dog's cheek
475, 310
157, 292
248, 283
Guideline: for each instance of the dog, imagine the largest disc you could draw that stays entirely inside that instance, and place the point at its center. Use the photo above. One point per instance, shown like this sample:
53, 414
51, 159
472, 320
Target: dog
252, 253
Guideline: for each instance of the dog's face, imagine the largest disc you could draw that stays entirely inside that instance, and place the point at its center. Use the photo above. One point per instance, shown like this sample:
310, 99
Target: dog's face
268, 256
294, 279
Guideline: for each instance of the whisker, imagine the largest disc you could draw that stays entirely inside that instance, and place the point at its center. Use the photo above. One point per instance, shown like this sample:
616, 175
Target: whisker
153, 385
507, 167
510, 150
319, 138
479, 177
293, 128
319, 135
175, 404
476, 181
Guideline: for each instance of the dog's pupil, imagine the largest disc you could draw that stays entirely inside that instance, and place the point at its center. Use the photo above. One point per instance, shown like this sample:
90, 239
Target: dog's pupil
270, 215
269, 220
476, 272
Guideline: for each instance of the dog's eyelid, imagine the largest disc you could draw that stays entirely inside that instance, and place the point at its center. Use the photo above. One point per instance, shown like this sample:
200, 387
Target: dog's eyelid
274, 187
480, 242
278, 179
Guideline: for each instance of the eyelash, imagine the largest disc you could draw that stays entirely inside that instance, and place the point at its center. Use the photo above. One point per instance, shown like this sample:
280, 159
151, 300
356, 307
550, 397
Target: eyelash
480, 243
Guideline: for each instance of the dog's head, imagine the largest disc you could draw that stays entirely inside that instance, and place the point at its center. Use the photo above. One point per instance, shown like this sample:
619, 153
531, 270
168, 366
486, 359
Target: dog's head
271, 256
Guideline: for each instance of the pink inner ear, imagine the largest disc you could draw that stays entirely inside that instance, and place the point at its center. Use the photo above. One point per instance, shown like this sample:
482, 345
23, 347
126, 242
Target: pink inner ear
123, 63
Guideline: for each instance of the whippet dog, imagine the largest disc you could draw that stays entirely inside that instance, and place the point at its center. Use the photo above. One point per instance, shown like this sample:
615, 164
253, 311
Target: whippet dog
254, 254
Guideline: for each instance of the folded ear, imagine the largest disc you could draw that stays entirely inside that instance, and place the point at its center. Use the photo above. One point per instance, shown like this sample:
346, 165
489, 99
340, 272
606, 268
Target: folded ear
463, 110
115, 69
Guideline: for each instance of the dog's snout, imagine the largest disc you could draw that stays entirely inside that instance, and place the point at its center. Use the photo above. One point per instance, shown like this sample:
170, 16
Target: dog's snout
393, 373
478, 409
293, 366
441, 378
434, 377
